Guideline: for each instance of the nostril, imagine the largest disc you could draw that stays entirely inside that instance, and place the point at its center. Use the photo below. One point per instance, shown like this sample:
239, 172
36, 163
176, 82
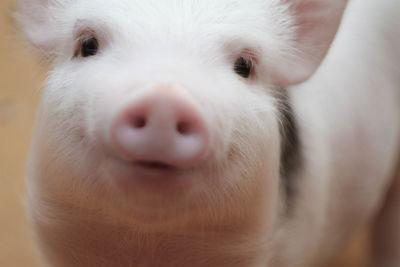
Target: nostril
183, 128
139, 122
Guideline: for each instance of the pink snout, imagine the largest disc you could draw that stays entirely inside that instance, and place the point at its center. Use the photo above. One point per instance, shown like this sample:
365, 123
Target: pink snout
161, 128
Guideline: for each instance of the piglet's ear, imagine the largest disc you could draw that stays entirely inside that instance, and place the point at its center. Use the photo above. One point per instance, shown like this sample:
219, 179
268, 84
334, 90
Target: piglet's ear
316, 23
35, 20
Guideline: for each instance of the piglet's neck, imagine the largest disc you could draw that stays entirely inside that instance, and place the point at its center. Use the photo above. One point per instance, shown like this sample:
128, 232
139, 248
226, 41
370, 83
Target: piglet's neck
95, 244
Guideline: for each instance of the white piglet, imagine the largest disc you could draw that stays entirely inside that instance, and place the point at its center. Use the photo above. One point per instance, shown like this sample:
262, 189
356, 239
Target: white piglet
214, 133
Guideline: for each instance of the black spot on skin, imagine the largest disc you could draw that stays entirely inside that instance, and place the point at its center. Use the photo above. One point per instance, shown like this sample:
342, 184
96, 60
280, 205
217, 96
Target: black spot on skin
291, 157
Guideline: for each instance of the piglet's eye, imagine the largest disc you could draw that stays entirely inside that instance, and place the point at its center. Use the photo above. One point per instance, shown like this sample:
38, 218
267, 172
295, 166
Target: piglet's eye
87, 47
90, 47
243, 67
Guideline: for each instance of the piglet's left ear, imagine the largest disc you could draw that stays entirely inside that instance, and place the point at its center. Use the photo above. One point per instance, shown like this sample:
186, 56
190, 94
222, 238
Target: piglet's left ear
316, 23
37, 22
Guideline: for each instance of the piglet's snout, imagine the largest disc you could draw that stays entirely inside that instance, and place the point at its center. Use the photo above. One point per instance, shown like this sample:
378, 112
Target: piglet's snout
161, 127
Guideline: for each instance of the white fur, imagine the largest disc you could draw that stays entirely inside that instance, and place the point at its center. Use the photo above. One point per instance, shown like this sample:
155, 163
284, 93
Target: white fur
232, 209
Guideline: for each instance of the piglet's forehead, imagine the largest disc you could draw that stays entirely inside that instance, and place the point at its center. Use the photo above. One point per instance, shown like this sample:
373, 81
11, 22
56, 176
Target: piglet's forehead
207, 11
179, 18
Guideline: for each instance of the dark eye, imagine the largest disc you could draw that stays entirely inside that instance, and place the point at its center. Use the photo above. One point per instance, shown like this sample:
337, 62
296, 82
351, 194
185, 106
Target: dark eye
243, 67
88, 47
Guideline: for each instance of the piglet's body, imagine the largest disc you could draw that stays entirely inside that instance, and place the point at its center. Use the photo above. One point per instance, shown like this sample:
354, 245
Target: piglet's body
214, 133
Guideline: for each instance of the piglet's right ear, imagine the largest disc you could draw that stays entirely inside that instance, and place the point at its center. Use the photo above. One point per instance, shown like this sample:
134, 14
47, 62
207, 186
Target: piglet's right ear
36, 23
315, 25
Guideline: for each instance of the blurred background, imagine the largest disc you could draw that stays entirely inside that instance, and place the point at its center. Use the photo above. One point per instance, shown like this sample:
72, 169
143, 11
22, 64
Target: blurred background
21, 75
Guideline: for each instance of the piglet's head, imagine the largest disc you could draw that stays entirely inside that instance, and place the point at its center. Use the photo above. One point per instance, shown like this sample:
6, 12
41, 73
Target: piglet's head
163, 108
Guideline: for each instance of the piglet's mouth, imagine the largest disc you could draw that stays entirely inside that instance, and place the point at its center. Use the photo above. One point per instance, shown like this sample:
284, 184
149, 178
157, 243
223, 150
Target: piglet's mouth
155, 165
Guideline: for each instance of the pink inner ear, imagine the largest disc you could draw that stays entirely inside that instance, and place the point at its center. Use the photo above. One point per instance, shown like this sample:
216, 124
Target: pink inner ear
316, 23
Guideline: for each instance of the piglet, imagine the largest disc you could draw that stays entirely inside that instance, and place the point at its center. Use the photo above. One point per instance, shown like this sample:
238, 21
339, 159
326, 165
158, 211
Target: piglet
214, 133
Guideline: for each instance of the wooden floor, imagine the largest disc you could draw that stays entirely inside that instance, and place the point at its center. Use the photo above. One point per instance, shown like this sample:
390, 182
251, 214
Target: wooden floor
20, 78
